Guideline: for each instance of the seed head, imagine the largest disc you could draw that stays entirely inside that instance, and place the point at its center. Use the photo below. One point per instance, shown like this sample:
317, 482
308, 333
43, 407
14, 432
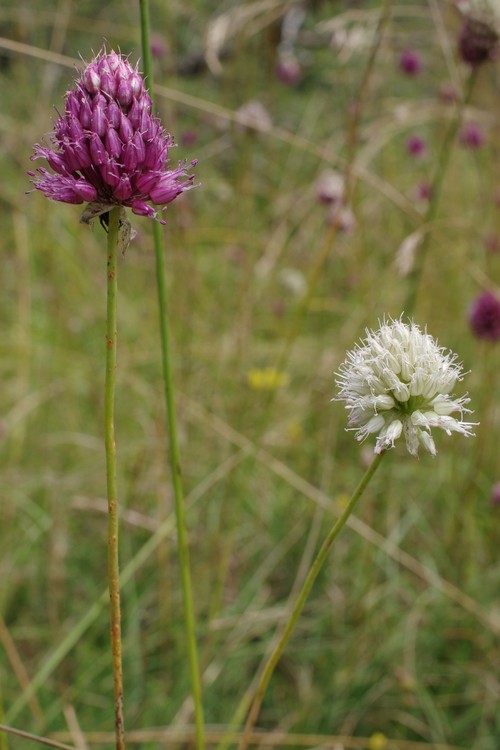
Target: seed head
397, 382
107, 148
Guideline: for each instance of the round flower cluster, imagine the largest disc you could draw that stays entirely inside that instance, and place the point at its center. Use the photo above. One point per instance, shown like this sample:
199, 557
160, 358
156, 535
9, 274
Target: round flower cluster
398, 381
411, 63
108, 148
484, 317
479, 37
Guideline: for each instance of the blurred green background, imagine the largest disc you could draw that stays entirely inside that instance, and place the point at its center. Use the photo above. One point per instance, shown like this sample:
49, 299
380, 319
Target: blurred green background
399, 638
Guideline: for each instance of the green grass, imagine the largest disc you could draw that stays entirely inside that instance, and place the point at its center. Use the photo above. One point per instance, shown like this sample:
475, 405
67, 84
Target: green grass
382, 645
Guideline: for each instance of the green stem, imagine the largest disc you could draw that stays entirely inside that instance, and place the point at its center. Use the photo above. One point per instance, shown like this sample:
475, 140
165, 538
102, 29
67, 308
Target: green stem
415, 275
183, 549
113, 521
301, 600
332, 233
4, 745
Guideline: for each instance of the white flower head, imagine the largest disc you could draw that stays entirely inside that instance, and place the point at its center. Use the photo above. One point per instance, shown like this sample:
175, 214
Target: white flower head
398, 381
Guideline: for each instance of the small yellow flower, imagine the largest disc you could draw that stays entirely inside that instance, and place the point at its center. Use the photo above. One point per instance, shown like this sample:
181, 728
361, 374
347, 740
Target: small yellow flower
343, 499
294, 431
267, 379
378, 741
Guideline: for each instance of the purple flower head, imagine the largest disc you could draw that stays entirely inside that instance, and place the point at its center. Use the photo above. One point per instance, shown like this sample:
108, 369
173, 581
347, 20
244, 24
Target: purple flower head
495, 494
410, 63
484, 317
423, 191
477, 42
107, 148
471, 136
491, 242
330, 187
416, 146
159, 47
288, 70
448, 93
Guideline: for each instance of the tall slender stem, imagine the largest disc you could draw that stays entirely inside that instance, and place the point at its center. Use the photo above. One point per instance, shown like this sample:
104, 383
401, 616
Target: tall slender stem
415, 275
301, 600
113, 519
183, 549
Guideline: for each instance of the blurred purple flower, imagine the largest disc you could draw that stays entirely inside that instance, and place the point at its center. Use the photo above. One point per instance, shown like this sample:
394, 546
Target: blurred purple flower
484, 317
189, 138
288, 70
423, 191
410, 63
471, 136
477, 42
416, 146
491, 242
253, 116
448, 93
341, 217
108, 149
329, 187
159, 47
495, 494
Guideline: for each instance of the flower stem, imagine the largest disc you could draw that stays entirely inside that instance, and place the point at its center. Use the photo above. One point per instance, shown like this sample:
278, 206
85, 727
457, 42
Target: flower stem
109, 407
301, 600
415, 275
333, 231
183, 549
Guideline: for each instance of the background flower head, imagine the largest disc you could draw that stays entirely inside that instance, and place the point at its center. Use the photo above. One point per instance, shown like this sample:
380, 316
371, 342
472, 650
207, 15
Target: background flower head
410, 62
477, 42
416, 146
484, 317
471, 136
398, 381
107, 147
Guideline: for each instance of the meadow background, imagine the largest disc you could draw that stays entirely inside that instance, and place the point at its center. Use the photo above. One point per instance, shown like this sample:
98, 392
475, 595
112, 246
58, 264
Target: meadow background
398, 645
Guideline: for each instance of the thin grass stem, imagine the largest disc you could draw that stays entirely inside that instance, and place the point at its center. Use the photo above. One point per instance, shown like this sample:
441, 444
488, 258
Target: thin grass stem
301, 600
415, 275
113, 518
175, 462
34, 738
348, 175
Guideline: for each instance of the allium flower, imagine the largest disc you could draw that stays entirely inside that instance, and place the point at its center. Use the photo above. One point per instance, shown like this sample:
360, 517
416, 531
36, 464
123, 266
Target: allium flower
342, 217
484, 317
410, 62
471, 136
477, 42
448, 93
495, 494
398, 381
491, 242
288, 70
423, 191
483, 11
416, 146
330, 187
107, 148
253, 116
